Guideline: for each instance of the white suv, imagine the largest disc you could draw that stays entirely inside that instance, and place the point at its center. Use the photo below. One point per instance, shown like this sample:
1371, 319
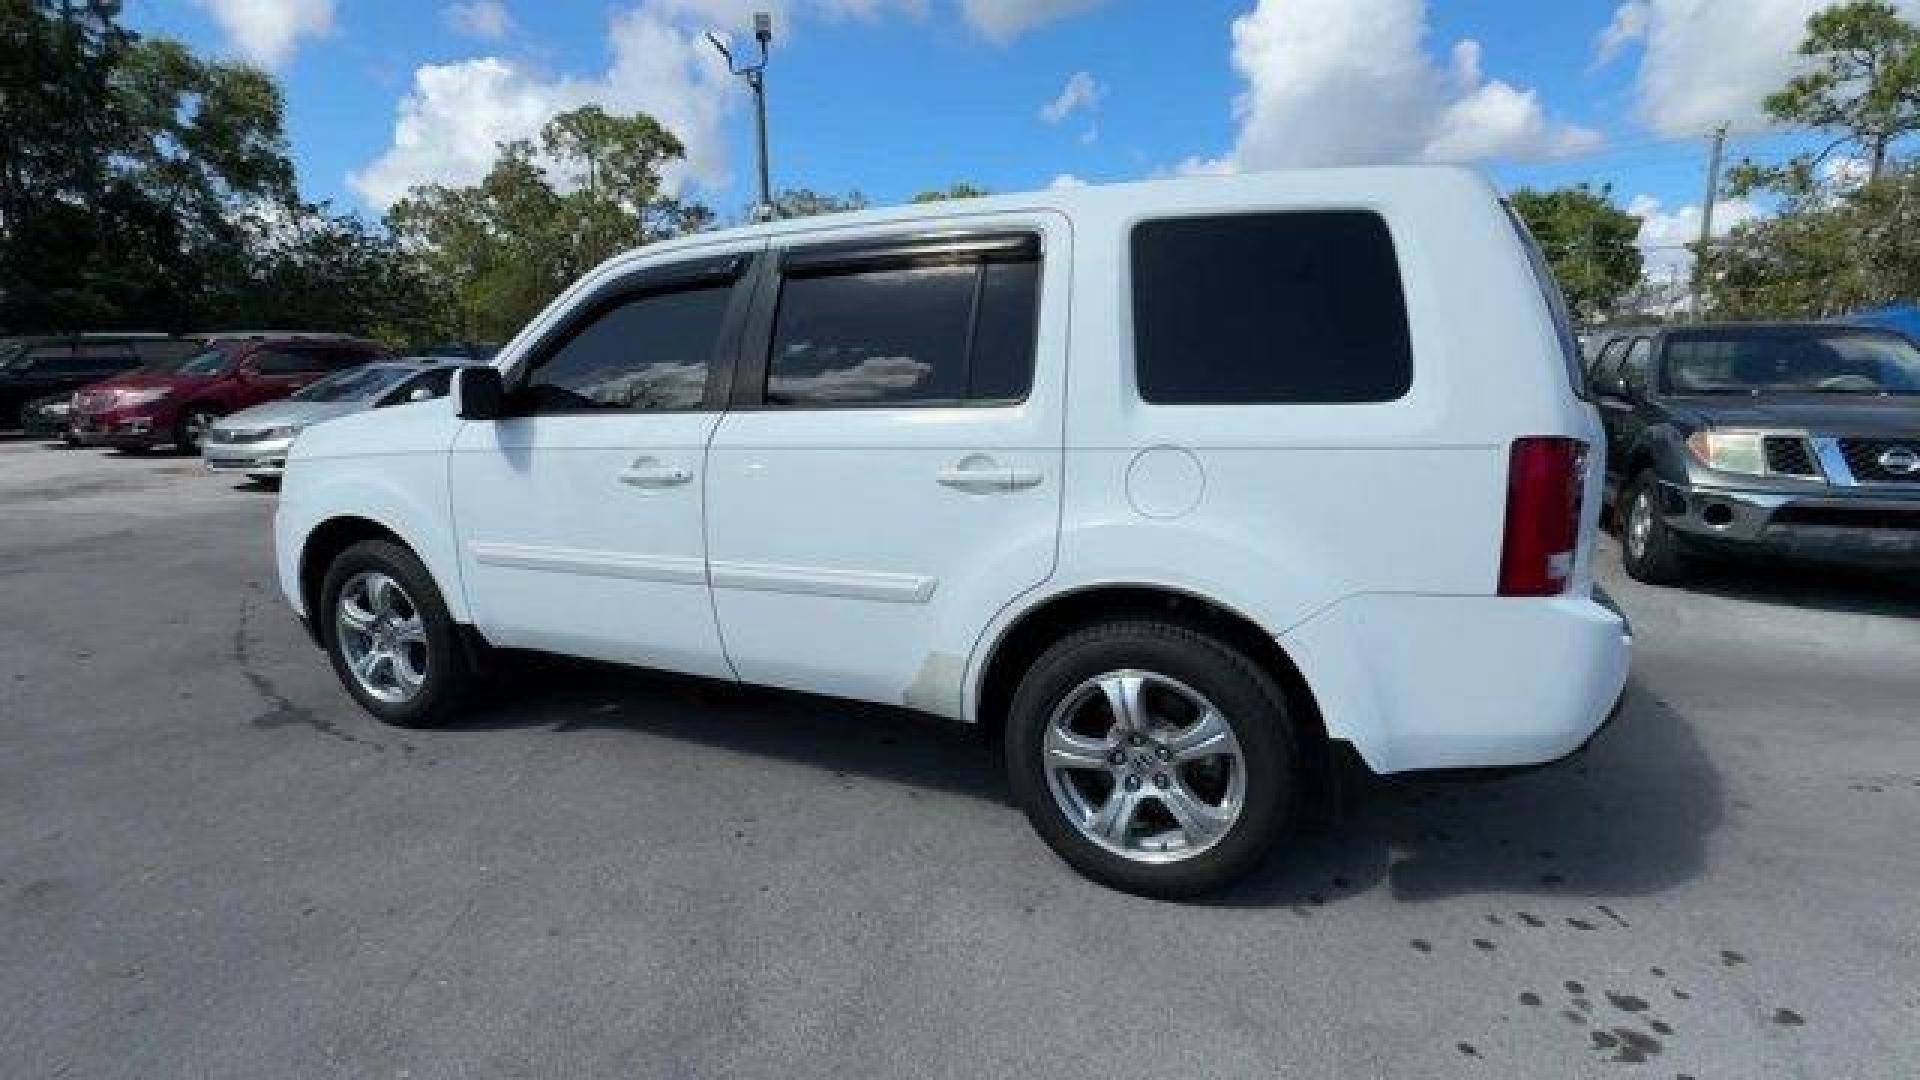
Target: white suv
1182, 484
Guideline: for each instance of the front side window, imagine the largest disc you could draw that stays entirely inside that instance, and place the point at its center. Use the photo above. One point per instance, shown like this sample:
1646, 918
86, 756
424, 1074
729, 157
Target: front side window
1294, 308
1633, 371
905, 335
649, 353
1606, 370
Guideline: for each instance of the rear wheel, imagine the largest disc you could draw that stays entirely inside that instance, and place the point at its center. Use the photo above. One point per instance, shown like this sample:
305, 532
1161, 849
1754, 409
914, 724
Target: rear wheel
1152, 758
190, 430
392, 642
1649, 547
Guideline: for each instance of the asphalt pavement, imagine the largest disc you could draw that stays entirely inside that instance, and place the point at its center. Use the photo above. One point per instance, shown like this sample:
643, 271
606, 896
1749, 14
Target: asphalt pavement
212, 864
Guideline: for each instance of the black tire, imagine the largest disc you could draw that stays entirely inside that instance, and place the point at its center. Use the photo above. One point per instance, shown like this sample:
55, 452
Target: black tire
1661, 558
184, 426
1255, 710
449, 669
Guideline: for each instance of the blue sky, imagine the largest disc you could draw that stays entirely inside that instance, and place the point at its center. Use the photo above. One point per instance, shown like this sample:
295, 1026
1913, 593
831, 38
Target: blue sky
893, 96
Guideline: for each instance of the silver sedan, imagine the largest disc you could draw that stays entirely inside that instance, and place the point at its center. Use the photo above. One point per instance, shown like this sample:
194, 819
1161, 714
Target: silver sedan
255, 441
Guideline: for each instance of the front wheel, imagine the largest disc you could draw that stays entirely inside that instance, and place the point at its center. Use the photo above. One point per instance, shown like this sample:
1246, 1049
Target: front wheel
190, 430
1649, 548
1153, 758
392, 642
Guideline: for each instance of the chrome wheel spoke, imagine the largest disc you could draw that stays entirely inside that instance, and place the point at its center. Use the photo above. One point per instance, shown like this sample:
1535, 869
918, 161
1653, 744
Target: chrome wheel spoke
354, 614
1115, 816
1206, 737
410, 678
382, 591
1123, 693
411, 631
1070, 750
1202, 822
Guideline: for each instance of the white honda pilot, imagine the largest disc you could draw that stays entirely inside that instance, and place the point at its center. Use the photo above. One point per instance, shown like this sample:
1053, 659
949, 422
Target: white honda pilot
1182, 486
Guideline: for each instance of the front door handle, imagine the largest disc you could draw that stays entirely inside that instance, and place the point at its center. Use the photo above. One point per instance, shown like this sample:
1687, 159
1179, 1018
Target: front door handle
651, 473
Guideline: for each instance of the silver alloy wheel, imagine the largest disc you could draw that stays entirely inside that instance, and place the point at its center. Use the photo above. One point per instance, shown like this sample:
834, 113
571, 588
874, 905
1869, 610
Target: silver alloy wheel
1640, 523
382, 637
1164, 780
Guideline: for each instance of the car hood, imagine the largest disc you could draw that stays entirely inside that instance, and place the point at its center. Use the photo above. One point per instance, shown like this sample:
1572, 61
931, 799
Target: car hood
288, 413
1826, 414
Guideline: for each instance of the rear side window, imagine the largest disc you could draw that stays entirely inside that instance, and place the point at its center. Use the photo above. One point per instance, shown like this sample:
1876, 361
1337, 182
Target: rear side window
906, 335
290, 361
1287, 308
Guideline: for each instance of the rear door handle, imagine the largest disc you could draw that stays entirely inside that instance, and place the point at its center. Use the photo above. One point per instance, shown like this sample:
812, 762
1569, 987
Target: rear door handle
651, 473
979, 474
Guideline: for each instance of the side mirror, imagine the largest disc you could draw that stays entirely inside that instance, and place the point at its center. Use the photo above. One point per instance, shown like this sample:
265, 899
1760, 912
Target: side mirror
481, 393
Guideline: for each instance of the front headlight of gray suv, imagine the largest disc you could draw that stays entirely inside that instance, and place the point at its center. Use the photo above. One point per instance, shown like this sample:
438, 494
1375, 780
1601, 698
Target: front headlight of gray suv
1730, 450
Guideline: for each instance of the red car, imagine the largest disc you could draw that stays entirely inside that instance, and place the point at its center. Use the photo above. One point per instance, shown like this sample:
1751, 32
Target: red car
176, 401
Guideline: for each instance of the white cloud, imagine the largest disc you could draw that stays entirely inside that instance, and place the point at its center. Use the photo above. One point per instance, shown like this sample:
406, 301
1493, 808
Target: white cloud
1081, 93
266, 32
1065, 181
1004, 20
1350, 82
1629, 24
450, 123
453, 119
488, 20
1711, 62
1665, 234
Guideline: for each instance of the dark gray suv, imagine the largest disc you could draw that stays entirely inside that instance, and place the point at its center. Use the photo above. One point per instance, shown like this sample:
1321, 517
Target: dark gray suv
1800, 439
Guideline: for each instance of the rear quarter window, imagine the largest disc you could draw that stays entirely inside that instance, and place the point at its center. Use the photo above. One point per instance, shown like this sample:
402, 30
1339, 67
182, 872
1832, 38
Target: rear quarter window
1274, 308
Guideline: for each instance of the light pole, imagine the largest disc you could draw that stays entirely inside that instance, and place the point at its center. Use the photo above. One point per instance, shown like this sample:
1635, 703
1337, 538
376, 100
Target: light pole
756, 76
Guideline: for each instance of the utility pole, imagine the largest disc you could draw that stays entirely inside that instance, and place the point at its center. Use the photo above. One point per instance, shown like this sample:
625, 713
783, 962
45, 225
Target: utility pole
756, 77
1706, 221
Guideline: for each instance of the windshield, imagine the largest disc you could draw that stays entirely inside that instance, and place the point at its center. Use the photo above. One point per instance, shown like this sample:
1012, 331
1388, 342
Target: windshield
354, 384
211, 361
1791, 361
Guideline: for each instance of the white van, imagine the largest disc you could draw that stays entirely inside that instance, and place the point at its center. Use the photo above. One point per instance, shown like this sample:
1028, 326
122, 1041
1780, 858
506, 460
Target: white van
1181, 484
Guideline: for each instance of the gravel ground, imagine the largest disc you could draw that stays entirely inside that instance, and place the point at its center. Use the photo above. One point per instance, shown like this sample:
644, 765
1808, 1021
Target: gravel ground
211, 864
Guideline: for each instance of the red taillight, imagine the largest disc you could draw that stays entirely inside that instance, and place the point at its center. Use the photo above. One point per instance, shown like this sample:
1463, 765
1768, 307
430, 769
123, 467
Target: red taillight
1545, 484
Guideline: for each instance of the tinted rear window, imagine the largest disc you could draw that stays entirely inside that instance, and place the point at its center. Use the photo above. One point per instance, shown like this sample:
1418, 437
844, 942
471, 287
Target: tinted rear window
1269, 308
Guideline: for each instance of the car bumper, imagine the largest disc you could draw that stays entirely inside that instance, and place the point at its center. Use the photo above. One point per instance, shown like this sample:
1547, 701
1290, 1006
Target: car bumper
1881, 527
40, 425
125, 432
1424, 683
253, 459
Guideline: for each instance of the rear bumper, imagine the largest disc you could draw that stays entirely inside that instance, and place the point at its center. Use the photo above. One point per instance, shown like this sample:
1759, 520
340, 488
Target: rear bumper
1424, 683
1878, 527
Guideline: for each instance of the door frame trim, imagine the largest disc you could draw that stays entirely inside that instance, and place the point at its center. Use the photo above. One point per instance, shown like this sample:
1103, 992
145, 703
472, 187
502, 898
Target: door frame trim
587, 563
813, 581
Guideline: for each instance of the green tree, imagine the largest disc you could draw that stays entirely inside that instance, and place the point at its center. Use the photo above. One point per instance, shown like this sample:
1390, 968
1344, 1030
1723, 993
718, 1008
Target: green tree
803, 202
497, 252
1864, 82
1589, 241
126, 165
960, 190
1844, 252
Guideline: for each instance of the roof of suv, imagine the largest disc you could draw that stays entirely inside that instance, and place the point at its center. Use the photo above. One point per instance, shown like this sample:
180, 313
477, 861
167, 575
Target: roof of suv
1292, 187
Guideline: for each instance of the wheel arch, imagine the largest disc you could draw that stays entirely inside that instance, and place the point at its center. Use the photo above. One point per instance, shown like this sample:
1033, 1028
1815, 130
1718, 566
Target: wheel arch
1045, 620
323, 545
